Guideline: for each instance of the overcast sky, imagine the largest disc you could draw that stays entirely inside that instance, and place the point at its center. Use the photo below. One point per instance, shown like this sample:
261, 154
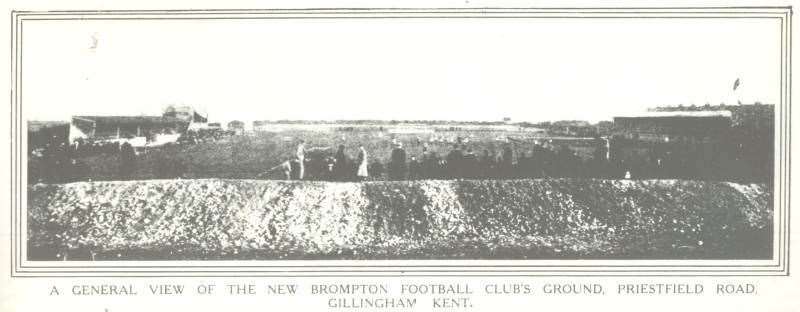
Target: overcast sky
454, 69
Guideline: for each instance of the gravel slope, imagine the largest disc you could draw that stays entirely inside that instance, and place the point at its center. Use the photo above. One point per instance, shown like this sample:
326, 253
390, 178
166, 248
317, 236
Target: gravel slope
501, 219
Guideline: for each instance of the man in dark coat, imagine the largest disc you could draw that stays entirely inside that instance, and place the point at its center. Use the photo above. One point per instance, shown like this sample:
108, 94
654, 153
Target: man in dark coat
469, 164
127, 161
430, 165
507, 163
454, 162
486, 164
341, 164
328, 169
414, 169
397, 164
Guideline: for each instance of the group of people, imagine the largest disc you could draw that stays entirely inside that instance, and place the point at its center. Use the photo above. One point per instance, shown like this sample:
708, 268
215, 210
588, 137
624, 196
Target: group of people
336, 167
53, 163
61, 162
541, 160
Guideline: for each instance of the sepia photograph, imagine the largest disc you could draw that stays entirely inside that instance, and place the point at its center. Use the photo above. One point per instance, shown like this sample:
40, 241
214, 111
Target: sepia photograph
400, 136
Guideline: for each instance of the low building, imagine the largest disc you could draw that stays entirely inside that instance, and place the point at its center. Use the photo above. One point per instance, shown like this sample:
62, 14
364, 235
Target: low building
236, 126
389, 127
684, 144
195, 119
137, 130
665, 126
186, 113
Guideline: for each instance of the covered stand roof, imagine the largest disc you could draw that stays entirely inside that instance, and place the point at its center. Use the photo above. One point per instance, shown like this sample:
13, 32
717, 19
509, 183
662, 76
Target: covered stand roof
109, 126
101, 121
692, 123
699, 114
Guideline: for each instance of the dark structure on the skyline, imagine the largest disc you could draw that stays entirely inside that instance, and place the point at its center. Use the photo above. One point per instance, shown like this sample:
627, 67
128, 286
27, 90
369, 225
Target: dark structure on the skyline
705, 142
116, 127
676, 125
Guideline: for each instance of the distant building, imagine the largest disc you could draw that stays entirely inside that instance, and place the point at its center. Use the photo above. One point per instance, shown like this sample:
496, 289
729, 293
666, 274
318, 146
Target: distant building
186, 113
258, 125
573, 128
751, 138
397, 128
236, 126
663, 126
136, 129
752, 117
710, 142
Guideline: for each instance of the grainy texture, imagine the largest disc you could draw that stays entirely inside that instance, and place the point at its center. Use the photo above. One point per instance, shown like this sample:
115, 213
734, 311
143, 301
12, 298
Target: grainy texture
511, 219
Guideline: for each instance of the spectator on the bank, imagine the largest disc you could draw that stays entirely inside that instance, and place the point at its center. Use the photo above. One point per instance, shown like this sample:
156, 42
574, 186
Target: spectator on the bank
414, 168
397, 164
424, 157
469, 164
328, 165
300, 155
454, 162
376, 169
431, 165
75, 146
361, 161
127, 160
525, 164
341, 164
507, 161
486, 164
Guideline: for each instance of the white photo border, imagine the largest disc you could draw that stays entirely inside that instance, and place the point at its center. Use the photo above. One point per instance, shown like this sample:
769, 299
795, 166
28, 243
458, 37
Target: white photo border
777, 266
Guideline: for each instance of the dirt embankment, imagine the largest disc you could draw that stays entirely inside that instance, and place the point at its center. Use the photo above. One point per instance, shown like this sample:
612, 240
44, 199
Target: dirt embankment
513, 219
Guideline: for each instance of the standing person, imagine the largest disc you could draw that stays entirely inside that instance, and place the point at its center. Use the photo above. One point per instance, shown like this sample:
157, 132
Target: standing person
397, 165
301, 156
469, 163
486, 164
340, 167
454, 161
424, 159
538, 160
430, 165
525, 164
508, 161
362, 173
376, 170
127, 161
414, 168
328, 169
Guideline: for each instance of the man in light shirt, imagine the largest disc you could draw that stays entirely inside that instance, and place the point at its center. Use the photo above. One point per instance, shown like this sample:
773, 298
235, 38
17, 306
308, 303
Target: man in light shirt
301, 156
